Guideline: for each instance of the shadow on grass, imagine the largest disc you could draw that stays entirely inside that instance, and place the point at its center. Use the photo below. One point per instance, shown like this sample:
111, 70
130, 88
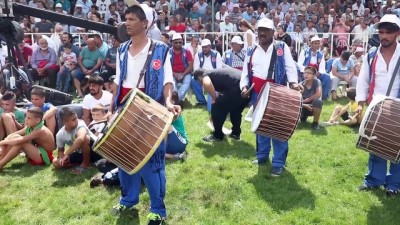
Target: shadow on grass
21, 169
307, 126
387, 212
282, 193
130, 217
66, 178
238, 149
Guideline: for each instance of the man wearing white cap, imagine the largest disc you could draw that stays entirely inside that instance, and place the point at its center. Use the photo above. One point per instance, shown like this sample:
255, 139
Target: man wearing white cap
268, 61
206, 59
182, 66
358, 54
86, 5
156, 80
315, 58
378, 77
234, 57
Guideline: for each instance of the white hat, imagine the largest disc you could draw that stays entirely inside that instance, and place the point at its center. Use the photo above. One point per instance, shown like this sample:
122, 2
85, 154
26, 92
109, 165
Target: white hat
237, 40
223, 4
77, 5
205, 42
354, 7
359, 49
150, 14
236, 5
315, 38
388, 18
176, 37
266, 23
171, 32
58, 5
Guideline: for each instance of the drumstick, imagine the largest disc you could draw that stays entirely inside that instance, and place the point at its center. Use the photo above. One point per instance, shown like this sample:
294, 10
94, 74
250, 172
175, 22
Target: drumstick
251, 88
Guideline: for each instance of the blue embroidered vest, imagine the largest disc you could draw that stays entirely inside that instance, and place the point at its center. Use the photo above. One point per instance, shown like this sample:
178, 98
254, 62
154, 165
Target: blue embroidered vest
213, 58
184, 57
280, 71
308, 55
154, 77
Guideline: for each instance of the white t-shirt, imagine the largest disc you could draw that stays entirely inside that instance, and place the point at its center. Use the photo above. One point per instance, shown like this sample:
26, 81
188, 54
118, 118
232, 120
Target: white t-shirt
89, 101
97, 127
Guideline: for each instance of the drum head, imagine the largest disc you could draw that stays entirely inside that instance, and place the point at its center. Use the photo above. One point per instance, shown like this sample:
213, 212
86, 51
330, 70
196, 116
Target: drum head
259, 108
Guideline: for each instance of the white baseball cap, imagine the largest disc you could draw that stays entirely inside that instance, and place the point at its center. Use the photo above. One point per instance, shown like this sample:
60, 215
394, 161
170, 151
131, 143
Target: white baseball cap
58, 5
237, 40
359, 49
205, 42
78, 6
236, 5
388, 18
176, 37
315, 38
266, 23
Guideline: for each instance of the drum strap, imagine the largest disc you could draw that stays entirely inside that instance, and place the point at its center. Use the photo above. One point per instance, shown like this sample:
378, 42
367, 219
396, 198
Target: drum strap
271, 69
149, 55
396, 69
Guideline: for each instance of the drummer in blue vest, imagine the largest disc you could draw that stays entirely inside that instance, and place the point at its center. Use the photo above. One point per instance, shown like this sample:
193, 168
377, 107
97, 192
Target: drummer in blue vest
315, 58
157, 83
234, 57
376, 71
182, 66
206, 59
268, 61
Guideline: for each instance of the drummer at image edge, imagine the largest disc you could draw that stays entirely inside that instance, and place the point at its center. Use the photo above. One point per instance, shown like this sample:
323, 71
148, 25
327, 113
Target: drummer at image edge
157, 84
283, 71
387, 55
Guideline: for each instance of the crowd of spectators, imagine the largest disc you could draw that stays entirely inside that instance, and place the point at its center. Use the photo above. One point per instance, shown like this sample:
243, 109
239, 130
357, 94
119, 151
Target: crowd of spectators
342, 25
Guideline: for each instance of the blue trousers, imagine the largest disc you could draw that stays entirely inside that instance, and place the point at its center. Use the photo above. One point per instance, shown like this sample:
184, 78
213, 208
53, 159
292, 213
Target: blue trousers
326, 85
155, 183
184, 87
198, 91
263, 146
63, 82
377, 173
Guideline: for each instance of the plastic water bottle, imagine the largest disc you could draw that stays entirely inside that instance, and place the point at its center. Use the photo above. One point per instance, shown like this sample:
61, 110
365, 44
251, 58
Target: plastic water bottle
12, 82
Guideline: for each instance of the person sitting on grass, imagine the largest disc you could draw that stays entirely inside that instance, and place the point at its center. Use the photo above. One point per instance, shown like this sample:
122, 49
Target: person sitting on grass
12, 119
99, 119
35, 140
312, 104
38, 97
77, 136
177, 139
346, 113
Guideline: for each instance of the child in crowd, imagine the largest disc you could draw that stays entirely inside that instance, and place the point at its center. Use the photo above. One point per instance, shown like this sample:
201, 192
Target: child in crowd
346, 113
312, 104
77, 136
68, 61
99, 119
35, 140
12, 119
38, 97
177, 139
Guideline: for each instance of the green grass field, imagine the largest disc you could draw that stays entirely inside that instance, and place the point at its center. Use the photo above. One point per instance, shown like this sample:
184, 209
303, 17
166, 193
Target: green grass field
216, 185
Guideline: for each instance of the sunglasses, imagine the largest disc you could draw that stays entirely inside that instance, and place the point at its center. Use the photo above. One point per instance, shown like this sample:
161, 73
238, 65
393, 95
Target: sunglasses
178, 42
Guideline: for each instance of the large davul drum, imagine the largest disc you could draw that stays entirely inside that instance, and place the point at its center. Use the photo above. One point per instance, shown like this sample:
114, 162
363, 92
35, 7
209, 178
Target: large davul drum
277, 112
379, 131
135, 132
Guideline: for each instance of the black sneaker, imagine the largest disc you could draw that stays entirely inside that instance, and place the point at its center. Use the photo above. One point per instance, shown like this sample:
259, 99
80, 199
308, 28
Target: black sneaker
211, 138
155, 219
315, 126
276, 171
392, 193
235, 137
364, 187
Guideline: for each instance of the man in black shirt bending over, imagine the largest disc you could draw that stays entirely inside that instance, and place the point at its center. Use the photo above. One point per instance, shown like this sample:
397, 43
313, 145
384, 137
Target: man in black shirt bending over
226, 82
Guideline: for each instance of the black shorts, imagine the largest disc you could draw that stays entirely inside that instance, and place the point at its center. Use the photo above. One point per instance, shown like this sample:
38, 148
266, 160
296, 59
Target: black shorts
77, 157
